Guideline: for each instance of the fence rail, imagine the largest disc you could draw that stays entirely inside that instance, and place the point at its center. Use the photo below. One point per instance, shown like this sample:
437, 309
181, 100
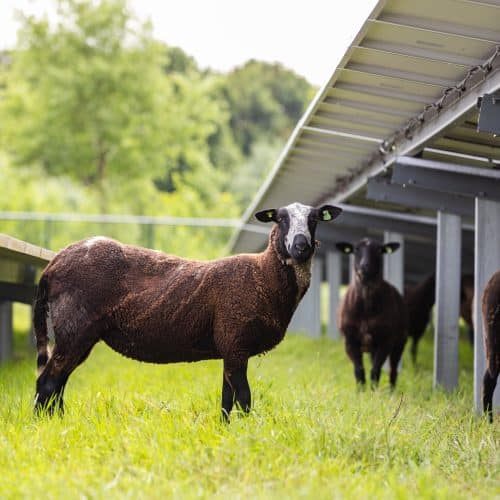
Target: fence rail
49, 223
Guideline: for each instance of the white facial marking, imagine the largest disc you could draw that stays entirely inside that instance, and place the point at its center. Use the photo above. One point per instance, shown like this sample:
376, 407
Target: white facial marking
298, 214
96, 239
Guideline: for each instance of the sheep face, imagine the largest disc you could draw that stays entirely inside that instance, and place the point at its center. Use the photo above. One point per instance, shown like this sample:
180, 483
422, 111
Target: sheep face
297, 226
368, 257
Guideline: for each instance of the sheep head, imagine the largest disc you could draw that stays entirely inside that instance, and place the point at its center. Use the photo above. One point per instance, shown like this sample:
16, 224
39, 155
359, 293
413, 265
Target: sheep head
367, 257
296, 226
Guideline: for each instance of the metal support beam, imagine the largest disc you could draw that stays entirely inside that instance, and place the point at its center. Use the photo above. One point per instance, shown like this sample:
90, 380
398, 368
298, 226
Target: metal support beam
489, 114
384, 220
334, 275
394, 263
429, 130
447, 177
380, 188
329, 235
448, 272
307, 317
5, 331
487, 262
17, 292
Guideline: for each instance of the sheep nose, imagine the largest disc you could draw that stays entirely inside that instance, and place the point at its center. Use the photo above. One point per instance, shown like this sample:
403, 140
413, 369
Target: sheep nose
300, 244
363, 267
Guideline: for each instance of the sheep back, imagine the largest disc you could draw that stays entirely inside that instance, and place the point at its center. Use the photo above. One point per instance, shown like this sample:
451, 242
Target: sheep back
161, 308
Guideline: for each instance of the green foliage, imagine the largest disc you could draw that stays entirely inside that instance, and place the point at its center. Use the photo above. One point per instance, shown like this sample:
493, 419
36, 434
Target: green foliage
179, 62
266, 101
82, 97
111, 113
30, 190
147, 431
254, 169
96, 116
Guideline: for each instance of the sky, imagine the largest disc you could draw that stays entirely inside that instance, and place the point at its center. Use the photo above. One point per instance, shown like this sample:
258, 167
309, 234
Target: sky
307, 36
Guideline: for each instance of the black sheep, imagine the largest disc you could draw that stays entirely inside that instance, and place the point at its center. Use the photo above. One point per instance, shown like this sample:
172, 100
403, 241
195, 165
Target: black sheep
372, 315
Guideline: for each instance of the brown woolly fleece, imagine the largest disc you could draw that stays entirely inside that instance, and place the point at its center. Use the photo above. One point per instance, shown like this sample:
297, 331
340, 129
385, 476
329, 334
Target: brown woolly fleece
372, 317
160, 308
373, 314
491, 325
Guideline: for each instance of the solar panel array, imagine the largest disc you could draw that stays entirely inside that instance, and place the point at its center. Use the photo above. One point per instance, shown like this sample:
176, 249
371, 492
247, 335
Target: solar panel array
404, 86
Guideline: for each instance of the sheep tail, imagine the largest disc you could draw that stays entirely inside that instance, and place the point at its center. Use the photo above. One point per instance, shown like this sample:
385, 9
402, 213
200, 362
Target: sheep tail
40, 311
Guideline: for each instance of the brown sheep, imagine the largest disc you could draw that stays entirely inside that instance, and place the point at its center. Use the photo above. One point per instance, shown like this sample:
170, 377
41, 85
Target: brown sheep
491, 331
161, 308
372, 315
419, 300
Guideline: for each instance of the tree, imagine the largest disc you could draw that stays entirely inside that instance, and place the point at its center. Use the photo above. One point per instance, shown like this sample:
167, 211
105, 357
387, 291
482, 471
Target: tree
265, 101
89, 97
179, 61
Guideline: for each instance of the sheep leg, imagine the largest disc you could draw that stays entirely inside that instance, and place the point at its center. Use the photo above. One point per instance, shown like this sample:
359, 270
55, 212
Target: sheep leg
228, 395
378, 356
414, 349
235, 388
49, 389
489, 384
52, 381
394, 359
353, 350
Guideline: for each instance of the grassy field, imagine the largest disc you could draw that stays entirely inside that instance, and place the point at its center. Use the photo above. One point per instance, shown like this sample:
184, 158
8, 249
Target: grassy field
133, 430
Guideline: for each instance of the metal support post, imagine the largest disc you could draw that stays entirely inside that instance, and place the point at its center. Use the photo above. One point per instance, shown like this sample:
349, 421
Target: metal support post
448, 272
334, 275
394, 270
351, 268
5, 331
307, 317
394, 263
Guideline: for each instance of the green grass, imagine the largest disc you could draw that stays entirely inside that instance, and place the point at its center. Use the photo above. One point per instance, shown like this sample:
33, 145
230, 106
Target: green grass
133, 430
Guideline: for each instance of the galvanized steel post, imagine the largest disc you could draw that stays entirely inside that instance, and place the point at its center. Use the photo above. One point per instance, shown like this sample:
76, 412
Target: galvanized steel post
394, 263
5, 330
448, 275
334, 276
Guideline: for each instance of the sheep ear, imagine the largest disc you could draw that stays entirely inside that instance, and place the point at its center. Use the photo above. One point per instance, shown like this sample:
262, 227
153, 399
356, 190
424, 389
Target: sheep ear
344, 247
328, 212
267, 215
390, 247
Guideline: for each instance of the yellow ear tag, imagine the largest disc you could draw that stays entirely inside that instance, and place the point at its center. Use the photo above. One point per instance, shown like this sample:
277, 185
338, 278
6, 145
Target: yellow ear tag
388, 250
327, 215
347, 250
269, 215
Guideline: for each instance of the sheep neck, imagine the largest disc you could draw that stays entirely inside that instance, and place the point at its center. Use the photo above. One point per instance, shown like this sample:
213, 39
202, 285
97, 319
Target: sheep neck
302, 271
367, 291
